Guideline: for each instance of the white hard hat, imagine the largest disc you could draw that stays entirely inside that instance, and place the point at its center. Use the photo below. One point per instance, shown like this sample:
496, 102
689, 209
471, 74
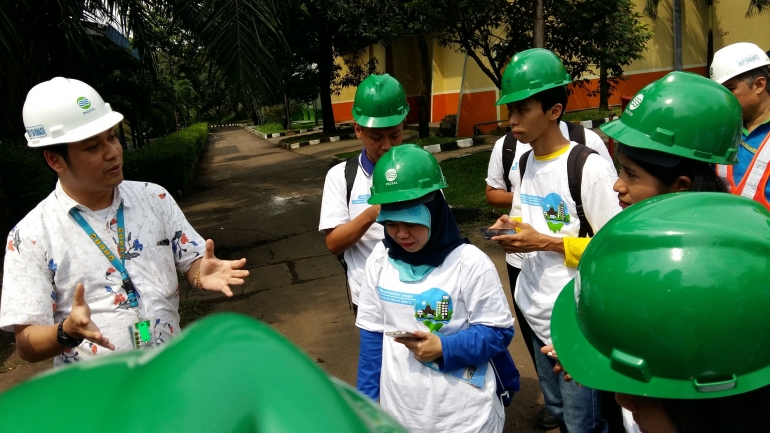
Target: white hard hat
64, 111
736, 59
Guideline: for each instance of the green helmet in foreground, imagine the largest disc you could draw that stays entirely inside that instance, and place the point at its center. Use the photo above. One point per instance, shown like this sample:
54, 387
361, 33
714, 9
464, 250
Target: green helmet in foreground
671, 301
682, 114
530, 72
405, 173
226, 373
380, 102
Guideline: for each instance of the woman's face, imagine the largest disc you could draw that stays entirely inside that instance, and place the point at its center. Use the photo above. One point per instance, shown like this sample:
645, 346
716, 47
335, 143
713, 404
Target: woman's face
411, 237
648, 413
634, 184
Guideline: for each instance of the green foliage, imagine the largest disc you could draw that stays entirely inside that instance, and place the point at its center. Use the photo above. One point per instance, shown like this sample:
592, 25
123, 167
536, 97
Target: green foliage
168, 161
25, 179
270, 128
579, 116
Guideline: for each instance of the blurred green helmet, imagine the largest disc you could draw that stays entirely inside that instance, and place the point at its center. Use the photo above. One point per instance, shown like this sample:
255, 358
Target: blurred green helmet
404, 173
226, 373
682, 114
671, 300
530, 72
380, 102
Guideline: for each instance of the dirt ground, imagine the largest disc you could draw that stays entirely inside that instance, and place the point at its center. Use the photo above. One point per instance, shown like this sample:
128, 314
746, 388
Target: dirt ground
258, 201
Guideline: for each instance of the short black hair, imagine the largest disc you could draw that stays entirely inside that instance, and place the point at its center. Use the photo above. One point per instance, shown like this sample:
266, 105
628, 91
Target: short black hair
59, 149
700, 173
549, 98
749, 77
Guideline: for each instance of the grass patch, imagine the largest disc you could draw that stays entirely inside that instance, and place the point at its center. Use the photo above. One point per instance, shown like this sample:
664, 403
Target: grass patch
316, 136
269, 128
192, 310
427, 141
465, 177
348, 155
579, 116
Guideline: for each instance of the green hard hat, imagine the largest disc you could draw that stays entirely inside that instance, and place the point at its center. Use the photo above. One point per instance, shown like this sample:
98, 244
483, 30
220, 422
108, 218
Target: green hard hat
671, 300
682, 114
405, 173
225, 373
530, 72
380, 102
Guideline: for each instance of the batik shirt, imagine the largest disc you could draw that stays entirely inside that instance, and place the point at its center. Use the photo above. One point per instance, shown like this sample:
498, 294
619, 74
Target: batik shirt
48, 253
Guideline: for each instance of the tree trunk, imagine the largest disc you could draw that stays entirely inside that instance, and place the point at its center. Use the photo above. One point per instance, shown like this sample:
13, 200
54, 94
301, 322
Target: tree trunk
539, 30
288, 112
710, 40
604, 89
427, 84
325, 60
677, 17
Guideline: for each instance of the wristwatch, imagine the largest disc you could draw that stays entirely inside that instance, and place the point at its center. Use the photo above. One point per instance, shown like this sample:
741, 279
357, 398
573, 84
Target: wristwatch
65, 339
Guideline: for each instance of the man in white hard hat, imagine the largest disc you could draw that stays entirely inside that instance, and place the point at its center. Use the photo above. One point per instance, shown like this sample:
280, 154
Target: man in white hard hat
93, 268
743, 69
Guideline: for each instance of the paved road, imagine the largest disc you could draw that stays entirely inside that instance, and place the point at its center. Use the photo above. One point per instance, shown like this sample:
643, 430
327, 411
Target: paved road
262, 202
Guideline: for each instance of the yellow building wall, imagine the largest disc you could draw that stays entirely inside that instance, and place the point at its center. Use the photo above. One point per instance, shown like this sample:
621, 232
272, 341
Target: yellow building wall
731, 25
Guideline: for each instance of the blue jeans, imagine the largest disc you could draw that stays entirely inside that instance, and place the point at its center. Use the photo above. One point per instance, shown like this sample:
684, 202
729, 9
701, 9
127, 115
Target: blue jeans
576, 408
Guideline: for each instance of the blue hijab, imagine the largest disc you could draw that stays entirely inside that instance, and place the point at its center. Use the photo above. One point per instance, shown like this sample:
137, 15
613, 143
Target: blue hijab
444, 236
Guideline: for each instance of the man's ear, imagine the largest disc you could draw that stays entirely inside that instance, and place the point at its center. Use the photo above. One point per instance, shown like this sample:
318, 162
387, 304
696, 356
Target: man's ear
760, 85
555, 112
682, 183
55, 161
359, 130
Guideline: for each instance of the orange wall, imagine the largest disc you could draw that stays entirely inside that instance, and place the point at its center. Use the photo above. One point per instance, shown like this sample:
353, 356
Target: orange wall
579, 99
343, 111
476, 108
444, 104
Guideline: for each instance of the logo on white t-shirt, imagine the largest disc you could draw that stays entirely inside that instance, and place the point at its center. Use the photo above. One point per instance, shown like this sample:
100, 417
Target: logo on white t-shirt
433, 308
555, 212
391, 175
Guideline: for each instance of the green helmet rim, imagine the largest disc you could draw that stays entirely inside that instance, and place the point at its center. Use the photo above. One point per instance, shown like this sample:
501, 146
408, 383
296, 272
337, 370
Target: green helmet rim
380, 122
524, 94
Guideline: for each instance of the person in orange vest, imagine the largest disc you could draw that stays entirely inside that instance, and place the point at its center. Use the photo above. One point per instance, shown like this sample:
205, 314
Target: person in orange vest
743, 69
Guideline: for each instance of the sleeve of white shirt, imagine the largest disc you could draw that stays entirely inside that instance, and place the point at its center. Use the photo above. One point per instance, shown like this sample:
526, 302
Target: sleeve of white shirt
370, 315
596, 143
482, 290
495, 177
187, 244
334, 206
28, 296
600, 201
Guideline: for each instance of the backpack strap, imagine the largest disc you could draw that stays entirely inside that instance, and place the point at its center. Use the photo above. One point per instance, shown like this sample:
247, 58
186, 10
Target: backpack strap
351, 169
576, 133
575, 162
509, 150
523, 163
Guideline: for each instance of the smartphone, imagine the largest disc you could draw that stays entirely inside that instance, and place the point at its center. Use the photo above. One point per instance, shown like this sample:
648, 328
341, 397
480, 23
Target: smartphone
490, 233
402, 334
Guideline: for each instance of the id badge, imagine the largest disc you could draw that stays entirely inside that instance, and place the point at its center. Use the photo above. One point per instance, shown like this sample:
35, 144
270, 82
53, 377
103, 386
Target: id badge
141, 336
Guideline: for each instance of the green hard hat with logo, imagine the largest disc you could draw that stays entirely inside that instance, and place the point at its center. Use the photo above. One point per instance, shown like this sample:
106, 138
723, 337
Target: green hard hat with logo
225, 373
380, 102
530, 72
405, 173
682, 114
671, 300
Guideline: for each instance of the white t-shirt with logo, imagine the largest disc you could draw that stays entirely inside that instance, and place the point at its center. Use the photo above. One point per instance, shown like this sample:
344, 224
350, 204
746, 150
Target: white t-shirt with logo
465, 290
546, 205
335, 211
495, 171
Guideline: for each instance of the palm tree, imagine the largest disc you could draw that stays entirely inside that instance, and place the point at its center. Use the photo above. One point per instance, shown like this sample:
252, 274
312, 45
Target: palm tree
755, 7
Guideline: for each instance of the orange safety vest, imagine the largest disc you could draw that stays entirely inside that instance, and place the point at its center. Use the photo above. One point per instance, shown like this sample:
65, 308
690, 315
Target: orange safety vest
755, 179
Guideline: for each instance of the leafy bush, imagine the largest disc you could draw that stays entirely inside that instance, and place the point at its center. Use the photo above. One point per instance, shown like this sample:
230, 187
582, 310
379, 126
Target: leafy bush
169, 161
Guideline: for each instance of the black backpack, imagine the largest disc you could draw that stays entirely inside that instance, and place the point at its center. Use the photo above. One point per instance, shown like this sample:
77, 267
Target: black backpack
575, 162
351, 169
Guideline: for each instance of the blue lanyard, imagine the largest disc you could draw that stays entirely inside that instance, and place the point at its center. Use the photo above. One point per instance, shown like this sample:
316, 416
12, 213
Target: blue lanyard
119, 264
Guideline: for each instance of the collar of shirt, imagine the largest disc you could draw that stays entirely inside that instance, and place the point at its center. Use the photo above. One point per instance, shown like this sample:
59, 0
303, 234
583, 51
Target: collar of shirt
68, 202
366, 165
763, 128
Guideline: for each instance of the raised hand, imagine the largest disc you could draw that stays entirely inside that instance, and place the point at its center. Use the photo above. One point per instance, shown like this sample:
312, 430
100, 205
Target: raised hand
79, 325
426, 347
218, 275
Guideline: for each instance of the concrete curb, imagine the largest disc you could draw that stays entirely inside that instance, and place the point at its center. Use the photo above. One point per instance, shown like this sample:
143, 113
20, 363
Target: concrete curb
280, 134
290, 146
437, 148
225, 125
590, 124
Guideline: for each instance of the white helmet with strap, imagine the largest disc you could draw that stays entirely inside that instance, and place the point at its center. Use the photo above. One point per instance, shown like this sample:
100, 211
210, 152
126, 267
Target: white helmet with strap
63, 110
736, 59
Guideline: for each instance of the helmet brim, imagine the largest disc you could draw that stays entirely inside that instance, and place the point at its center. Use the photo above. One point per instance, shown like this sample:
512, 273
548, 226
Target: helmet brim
380, 122
524, 94
633, 138
86, 131
404, 196
592, 368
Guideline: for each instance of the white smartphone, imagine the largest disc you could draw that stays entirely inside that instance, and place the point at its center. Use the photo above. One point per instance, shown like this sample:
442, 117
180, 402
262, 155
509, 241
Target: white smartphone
402, 334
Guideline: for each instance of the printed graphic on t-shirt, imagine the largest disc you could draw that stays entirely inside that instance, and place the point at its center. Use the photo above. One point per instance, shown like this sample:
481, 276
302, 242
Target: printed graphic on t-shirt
555, 211
362, 199
433, 308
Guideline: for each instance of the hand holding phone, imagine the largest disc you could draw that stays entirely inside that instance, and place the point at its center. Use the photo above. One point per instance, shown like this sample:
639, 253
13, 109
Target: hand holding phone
490, 233
402, 334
